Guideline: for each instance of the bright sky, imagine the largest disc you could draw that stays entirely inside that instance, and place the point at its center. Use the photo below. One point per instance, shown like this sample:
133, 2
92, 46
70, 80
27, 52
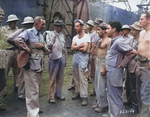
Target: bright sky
132, 3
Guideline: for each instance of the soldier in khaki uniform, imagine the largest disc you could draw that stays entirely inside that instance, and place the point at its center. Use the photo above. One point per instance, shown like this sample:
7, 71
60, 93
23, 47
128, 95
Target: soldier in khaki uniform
11, 51
28, 23
3, 61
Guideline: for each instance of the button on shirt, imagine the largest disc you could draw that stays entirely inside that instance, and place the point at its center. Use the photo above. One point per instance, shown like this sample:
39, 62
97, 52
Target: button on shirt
56, 42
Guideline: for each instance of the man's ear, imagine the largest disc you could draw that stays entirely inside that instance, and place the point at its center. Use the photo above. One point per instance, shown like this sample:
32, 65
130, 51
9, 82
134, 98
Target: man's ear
149, 20
114, 29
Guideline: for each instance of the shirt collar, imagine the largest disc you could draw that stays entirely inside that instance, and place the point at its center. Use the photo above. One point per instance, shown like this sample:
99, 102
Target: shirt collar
57, 33
35, 31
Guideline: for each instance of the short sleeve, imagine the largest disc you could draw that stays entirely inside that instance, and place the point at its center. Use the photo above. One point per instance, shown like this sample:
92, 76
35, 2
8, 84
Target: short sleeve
24, 35
74, 39
87, 38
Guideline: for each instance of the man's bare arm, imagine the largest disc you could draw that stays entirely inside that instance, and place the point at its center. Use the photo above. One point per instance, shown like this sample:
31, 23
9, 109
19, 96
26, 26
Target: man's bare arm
85, 47
75, 47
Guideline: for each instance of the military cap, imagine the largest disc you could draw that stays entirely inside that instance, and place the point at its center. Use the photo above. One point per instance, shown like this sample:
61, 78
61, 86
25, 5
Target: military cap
103, 25
98, 21
79, 20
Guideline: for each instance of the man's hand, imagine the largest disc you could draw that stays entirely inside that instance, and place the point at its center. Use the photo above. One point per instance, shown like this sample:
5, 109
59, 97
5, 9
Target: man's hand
39, 45
103, 72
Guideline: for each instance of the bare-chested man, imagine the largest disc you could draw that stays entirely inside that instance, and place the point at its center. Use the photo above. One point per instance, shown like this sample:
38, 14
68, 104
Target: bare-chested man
100, 79
144, 59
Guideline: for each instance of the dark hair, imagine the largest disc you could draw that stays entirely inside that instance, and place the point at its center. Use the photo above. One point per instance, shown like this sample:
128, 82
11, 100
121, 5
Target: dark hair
147, 14
116, 25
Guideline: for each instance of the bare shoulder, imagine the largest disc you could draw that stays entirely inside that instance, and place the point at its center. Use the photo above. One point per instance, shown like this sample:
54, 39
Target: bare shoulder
141, 35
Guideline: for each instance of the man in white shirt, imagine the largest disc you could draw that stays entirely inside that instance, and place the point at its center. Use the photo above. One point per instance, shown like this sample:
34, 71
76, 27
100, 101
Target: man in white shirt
80, 44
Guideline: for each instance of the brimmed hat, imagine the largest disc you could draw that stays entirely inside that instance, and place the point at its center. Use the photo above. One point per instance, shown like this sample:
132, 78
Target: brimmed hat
11, 18
58, 22
125, 27
90, 22
22, 59
136, 26
103, 25
28, 20
98, 21
79, 20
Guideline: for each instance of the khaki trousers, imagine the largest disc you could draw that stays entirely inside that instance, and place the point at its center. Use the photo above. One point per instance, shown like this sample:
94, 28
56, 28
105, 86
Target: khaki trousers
21, 84
12, 63
80, 81
32, 82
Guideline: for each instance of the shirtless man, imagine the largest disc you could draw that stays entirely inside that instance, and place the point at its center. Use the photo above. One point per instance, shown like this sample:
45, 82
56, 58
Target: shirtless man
100, 80
144, 65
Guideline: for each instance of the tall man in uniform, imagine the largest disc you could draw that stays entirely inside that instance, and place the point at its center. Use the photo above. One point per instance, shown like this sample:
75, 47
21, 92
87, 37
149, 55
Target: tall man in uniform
80, 62
11, 51
3, 60
114, 57
57, 60
144, 65
28, 23
32, 75
100, 78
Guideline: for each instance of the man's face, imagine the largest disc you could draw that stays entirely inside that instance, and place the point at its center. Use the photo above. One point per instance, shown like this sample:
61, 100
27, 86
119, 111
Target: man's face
58, 28
12, 24
143, 21
125, 31
100, 32
109, 31
90, 27
41, 25
78, 27
134, 32
95, 27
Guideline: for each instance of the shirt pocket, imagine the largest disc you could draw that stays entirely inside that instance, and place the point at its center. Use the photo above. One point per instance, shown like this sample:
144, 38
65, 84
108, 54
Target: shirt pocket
35, 63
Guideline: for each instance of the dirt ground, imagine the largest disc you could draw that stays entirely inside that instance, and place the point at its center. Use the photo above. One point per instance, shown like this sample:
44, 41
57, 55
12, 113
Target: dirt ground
67, 108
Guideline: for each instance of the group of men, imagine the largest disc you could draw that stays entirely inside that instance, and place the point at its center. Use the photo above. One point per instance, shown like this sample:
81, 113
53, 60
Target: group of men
24, 52
101, 53
106, 52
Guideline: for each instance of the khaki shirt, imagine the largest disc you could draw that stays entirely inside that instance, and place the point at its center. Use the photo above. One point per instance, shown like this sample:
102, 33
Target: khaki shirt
8, 31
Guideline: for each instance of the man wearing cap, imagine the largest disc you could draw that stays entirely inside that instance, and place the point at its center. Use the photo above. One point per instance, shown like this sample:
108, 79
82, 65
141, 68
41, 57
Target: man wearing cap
132, 80
28, 23
32, 42
100, 78
93, 51
114, 57
80, 62
144, 63
91, 30
57, 60
11, 51
3, 60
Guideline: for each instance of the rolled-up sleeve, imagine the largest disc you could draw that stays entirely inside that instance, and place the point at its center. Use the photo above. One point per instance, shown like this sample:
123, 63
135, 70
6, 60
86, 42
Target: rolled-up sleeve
123, 46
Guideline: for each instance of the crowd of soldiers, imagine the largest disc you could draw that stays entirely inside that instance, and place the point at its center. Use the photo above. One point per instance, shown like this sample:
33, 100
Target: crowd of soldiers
104, 53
